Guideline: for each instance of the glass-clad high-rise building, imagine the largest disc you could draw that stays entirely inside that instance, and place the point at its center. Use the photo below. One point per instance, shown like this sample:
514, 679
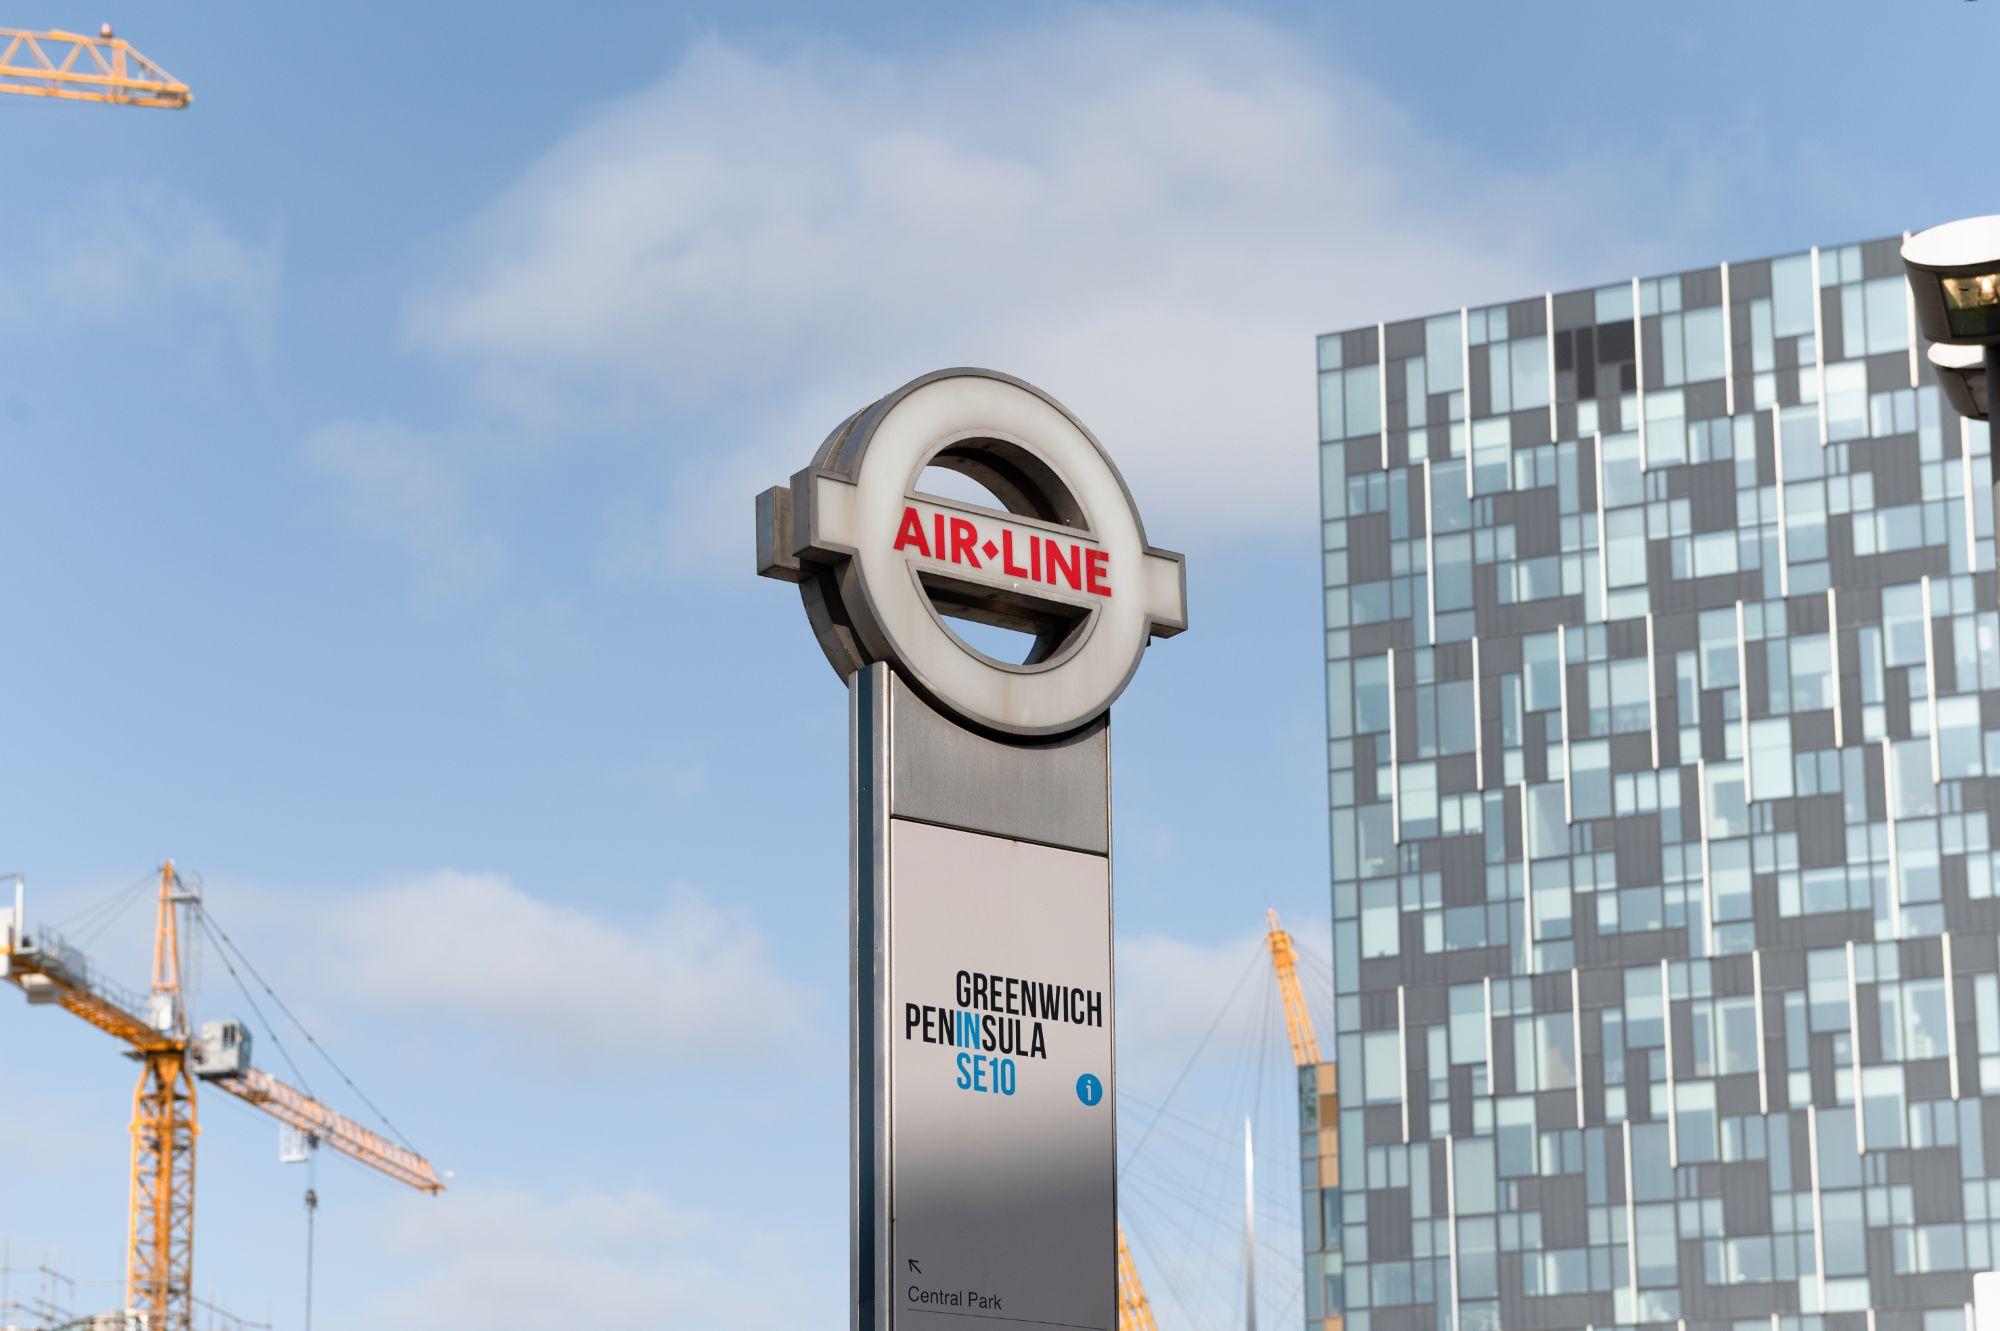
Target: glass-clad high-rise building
1663, 696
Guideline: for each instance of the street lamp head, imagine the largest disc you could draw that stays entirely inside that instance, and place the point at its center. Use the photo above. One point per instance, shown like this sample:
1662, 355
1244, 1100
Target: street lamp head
1961, 372
1954, 273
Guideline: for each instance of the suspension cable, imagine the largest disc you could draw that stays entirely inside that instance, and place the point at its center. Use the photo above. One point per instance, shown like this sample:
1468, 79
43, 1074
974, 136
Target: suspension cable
1188, 1066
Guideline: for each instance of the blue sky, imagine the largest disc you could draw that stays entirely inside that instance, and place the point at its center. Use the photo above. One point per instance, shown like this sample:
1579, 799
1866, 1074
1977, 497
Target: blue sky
378, 440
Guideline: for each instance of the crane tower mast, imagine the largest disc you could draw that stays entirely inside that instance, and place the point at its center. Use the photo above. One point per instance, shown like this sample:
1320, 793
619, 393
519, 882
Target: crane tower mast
159, 1267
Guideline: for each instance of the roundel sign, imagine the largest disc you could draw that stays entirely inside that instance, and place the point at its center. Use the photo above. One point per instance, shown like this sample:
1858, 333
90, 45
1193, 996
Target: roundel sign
1060, 556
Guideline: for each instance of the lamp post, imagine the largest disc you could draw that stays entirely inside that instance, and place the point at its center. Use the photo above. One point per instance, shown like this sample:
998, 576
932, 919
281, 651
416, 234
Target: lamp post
1954, 273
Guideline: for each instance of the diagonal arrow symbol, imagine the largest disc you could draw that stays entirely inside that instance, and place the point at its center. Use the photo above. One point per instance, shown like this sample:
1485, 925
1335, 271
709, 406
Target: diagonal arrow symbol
913, 1265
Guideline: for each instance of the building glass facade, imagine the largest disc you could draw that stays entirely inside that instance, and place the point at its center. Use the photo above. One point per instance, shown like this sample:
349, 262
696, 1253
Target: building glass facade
1663, 696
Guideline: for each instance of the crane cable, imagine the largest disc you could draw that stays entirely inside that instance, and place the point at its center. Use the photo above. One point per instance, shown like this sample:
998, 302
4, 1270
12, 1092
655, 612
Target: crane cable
312, 1211
90, 922
226, 942
202, 918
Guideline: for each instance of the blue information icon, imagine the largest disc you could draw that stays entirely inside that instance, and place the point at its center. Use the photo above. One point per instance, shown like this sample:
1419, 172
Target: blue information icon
1089, 1089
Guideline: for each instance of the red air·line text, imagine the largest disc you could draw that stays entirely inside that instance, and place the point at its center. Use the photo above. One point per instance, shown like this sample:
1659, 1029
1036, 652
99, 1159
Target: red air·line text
954, 540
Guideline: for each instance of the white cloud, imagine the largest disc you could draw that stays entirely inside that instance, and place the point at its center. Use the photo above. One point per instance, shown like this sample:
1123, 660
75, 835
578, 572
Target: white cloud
474, 948
669, 778
412, 490
1170, 992
609, 1260
1174, 993
146, 250
1148, 213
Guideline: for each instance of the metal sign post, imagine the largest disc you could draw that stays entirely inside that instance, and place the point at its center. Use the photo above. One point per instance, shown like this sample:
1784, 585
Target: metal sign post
984, 1089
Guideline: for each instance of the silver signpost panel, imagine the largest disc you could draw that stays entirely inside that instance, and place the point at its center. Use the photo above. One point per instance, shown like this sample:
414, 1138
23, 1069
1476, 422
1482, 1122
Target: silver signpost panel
984, 1162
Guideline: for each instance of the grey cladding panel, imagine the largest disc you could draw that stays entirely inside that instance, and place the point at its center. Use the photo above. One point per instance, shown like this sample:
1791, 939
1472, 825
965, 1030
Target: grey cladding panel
1056, 794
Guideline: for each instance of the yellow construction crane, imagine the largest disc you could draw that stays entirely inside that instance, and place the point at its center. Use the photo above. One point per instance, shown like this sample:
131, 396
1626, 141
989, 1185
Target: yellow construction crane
159, 1266
76, 68
1134, 1312
1298, 1022
1319, 1102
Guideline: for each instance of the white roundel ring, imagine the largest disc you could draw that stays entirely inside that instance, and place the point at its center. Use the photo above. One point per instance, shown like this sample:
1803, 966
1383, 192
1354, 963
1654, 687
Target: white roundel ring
1068, 553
